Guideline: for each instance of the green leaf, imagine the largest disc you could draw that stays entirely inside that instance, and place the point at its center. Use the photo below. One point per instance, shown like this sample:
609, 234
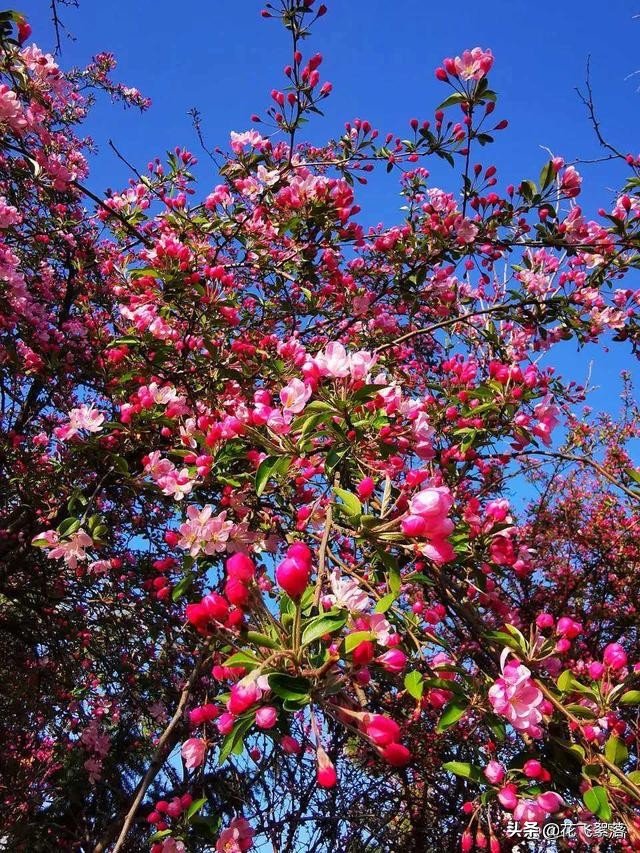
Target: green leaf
385, 603
451, 100
596, 800
270, 466
367, 392
581, 711
262, 640
616, 751
568, 683
547, 175
235, 738
69, 526
635, 475
334, 458
414, 684
631, 697
160, 834
352, 641
462, 768
195, 807
291, 687
451, 714
326, 623
182, 586
350, 503
244, 658
517, 636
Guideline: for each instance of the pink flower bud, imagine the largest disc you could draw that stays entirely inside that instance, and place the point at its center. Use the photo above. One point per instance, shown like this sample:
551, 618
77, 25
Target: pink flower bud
266, 717
365, 488
243, 696
241, 567
615, 656
396, 755
327, 776
293, 576
290, 745
550, 801
495, 772
532, 768
380, 730
595, 670
545, 620
508, 797
566, 627
394, 660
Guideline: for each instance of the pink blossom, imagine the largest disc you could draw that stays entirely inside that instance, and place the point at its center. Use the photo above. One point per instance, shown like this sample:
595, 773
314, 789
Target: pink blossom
515, 697
495, 772
236, 838
70, 550
193, 752
529, 810
266, 717
203, 532
473, 64
615, 656
347, 593
84, 417
294, 396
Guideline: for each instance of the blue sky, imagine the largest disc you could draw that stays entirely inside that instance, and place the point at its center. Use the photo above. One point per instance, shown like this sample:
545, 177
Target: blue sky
224, 59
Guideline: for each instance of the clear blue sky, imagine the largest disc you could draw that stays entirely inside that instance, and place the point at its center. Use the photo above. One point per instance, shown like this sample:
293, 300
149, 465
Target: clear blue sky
223, 58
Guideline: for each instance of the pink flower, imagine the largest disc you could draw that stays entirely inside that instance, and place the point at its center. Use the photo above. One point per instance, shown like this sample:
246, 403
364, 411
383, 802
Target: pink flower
204, 533
361, 363
266, 717
508, 797
528, 810
347, 593
70, 550
244, 694
494, 772
334, 361
290, 745
550, 801
380, 730
294, 396
466, 231
193, 752
431, 502
236, 838
472, 65
84, 417
615, 656
515, 697
394, 660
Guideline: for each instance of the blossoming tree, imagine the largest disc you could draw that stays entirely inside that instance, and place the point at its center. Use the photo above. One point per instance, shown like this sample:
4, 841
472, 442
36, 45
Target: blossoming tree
262, 584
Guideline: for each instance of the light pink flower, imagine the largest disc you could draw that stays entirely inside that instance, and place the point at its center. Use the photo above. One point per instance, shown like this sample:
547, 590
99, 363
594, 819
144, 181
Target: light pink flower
334, 361
347, 593
294, 396
70, 550
193, 752
473, 64
84, 417
204, 533
516, 697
